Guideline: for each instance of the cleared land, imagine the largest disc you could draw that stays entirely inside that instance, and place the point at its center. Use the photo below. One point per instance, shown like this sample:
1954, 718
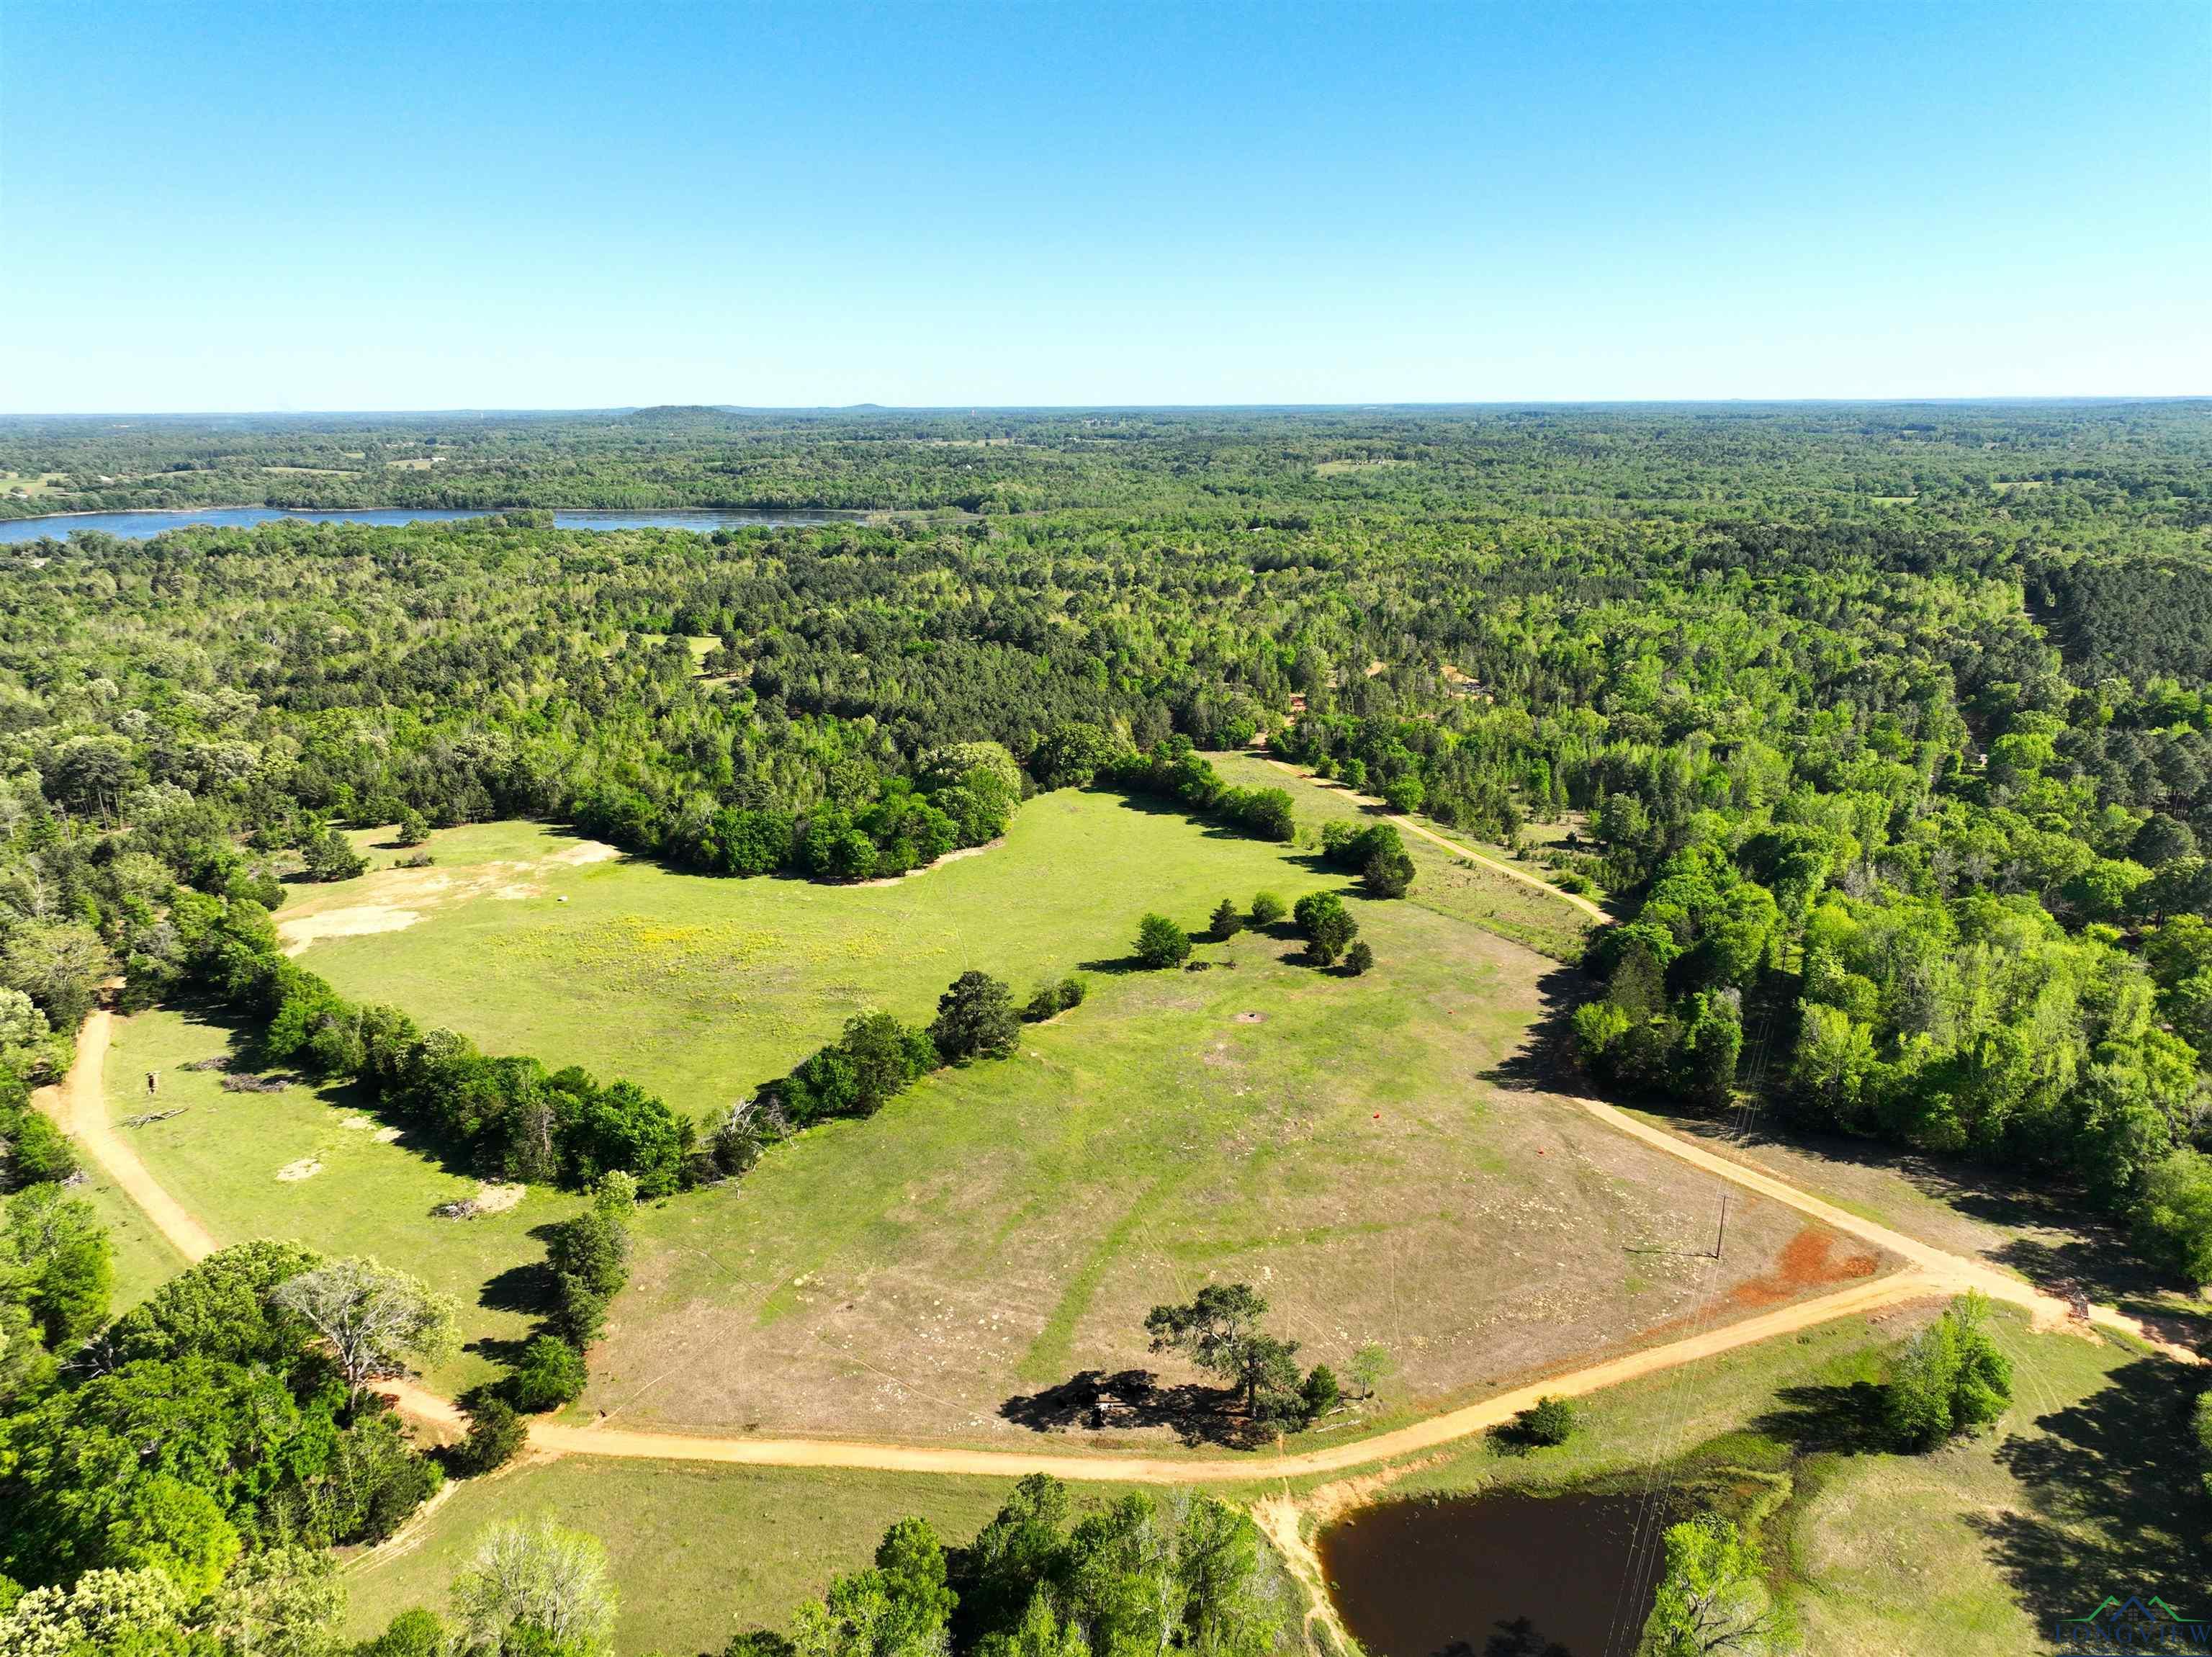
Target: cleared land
308, 1163
700, 987
946, 1268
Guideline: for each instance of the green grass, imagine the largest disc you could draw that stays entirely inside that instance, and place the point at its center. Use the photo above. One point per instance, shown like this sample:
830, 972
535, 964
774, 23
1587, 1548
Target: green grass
1000, 1228
220, 1158
1451, 885
144, 1259
700, 988
697, 1552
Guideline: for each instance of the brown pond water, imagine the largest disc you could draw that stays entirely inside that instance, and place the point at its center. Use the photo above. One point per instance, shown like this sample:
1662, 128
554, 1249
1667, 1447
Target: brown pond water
1495, 1576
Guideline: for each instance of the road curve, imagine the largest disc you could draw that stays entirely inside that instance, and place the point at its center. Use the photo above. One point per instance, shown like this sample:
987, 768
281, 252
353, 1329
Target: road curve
79, 1105
1457, 849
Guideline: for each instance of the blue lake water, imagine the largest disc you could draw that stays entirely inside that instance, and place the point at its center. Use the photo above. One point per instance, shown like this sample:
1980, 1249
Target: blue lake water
139, 525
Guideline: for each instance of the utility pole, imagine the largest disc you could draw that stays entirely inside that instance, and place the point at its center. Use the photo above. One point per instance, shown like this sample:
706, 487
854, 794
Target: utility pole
1721, 1241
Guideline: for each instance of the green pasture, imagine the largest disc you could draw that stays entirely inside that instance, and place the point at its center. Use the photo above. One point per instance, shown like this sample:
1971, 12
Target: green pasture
699, 988
1974, 1549
222, 1157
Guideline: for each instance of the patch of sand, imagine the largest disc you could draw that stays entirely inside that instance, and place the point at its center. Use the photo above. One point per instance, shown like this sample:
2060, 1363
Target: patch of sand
495, 1198
359, 1124
393, 899
306, 1169
583, 852
357, 921
385, 1135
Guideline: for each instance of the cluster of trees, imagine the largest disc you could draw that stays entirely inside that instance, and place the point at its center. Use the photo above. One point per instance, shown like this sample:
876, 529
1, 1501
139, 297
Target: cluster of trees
1143, 1573
184, 1471
1218, 1330
877, 1057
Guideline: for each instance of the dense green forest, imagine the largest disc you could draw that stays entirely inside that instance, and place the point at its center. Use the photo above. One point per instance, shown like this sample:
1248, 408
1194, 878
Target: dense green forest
1884, 730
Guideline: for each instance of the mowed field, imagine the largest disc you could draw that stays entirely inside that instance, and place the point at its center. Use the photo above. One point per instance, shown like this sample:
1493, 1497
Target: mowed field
308, 1163
941, 1268
699, 989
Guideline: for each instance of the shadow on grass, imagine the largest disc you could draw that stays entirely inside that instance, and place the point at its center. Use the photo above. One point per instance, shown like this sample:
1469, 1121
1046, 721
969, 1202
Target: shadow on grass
1134, 1399
1837, 1419
2114, 1506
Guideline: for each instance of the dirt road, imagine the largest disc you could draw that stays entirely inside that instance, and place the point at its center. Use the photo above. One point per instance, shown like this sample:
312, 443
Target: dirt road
1456, 849
79, 1105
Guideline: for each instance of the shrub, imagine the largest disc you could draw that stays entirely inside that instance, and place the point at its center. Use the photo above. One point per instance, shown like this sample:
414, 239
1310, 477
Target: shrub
1326, 924
550, 1374
1227, 923
413, 828
1548, 1422
1161, 943
1052, 999
1266, 909
1321, 1391
1358, 959
1950, 1380
975, 1019
415, 1632
495, 1433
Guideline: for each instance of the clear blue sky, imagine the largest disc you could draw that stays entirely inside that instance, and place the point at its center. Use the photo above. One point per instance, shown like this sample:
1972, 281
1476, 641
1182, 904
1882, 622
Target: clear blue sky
324, 206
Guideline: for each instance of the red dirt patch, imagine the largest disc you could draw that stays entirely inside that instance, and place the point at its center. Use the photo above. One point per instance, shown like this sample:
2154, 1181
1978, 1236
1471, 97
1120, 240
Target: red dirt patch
1808, 1260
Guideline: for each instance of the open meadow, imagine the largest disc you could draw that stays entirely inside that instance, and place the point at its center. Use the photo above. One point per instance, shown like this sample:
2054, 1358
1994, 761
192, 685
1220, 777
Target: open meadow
312, 1164
532, 941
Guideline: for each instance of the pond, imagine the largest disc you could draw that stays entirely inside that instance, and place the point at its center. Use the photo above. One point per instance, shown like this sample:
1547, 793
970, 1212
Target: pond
1508, 1575
141, 526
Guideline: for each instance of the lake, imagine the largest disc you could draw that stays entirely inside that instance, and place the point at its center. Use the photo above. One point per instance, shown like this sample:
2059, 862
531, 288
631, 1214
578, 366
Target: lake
140, 526
1495, 1576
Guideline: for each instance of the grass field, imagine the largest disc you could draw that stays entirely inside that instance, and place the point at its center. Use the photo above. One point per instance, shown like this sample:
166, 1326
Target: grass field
697, 1552
144, 1259
941, 1268
222, 1156
700, 987
1451, 885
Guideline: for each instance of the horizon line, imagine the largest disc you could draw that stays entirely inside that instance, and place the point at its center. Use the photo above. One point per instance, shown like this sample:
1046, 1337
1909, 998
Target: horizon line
1907, 400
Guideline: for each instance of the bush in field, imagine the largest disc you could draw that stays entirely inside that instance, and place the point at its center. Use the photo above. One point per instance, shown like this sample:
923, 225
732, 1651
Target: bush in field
1358, 959
1052, 999
1266, 909
1326, 925
1950, 1380
1226, 921
1161, 943
975, 1019
550, 1374
1546, 1423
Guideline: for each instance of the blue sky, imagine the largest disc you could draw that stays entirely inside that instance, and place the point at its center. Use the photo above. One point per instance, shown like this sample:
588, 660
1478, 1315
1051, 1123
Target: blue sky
319, 205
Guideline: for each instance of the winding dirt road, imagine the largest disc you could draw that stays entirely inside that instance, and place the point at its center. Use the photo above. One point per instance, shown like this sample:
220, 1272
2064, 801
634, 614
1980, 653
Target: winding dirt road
1453, 846
79, 1105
